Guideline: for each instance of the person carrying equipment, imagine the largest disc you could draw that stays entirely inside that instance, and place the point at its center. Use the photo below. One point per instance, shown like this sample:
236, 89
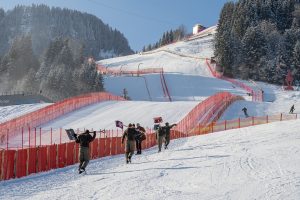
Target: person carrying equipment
129, 134
84, 156
160, 136
167, 130
141, 135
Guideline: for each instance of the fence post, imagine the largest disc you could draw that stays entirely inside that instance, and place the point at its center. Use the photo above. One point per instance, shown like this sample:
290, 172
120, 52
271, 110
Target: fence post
280, 116
252, 121
60, 136
239, 122
29, 137
267, 119
35, 137
7, 139
225, 123
40, 136
22, 136
296, 116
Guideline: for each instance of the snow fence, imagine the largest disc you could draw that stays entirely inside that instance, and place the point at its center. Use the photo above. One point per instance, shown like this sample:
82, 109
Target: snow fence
46, 114
200, 120
257, 95
38, 158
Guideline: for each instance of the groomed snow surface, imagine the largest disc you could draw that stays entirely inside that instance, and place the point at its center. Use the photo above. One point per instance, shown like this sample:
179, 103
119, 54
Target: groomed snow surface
260, 162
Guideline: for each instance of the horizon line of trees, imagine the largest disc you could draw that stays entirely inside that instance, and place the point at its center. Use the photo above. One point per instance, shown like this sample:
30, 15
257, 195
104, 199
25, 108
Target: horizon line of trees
259, 40
168, 37
58, 74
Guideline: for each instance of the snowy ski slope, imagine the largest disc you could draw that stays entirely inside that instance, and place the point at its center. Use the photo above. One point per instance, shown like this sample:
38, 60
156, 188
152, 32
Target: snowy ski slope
260, 162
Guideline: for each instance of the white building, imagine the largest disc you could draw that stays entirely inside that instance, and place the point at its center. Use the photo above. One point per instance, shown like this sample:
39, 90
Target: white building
198, 28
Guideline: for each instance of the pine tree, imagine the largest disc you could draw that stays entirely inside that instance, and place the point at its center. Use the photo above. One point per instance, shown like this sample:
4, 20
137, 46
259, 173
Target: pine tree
223, 51
296, 60
254, 48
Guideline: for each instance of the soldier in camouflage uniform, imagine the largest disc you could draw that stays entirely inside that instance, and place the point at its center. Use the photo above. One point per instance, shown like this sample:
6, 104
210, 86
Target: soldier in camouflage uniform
129, 134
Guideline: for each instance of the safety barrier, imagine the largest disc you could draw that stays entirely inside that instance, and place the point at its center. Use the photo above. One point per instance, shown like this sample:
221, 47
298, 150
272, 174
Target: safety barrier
208, 110
22, 162
51, 112
38, 157
205, 112
118, 72
164, 86
257, 95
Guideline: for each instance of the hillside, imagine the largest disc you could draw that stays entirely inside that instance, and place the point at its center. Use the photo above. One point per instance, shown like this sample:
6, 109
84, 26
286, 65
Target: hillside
44, 24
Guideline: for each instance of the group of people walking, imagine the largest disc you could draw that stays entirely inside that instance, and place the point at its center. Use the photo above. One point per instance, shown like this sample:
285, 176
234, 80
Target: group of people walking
132, 136
137, 135
163, 135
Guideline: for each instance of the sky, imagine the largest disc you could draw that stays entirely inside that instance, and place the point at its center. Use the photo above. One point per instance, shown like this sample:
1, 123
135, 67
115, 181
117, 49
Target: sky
141, 22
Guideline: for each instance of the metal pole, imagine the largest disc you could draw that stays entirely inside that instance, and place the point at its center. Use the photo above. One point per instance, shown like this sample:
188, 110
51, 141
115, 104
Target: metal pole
29, 137
138, 72
22, 136
35, 137
7, 139
40, 136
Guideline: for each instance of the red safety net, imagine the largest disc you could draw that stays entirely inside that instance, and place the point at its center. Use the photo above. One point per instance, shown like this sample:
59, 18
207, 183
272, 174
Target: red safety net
21, 163
102, 146
70, 153
61, 155
52, 161
8, 164
32, 160
1, 162
113, 146
107, 146
42, 159
53, 111
94, 149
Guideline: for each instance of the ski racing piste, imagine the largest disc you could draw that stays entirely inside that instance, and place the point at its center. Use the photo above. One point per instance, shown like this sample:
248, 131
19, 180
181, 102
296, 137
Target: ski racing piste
60, 155
20, 124
257, 95
138, 73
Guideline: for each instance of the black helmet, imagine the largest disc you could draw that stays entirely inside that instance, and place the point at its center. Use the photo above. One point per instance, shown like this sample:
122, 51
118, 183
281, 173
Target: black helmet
167, 123
87, 131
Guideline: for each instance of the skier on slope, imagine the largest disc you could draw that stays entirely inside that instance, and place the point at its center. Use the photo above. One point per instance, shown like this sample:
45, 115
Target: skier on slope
245, 112
129, 134
84, 156
292, 109
167, 130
